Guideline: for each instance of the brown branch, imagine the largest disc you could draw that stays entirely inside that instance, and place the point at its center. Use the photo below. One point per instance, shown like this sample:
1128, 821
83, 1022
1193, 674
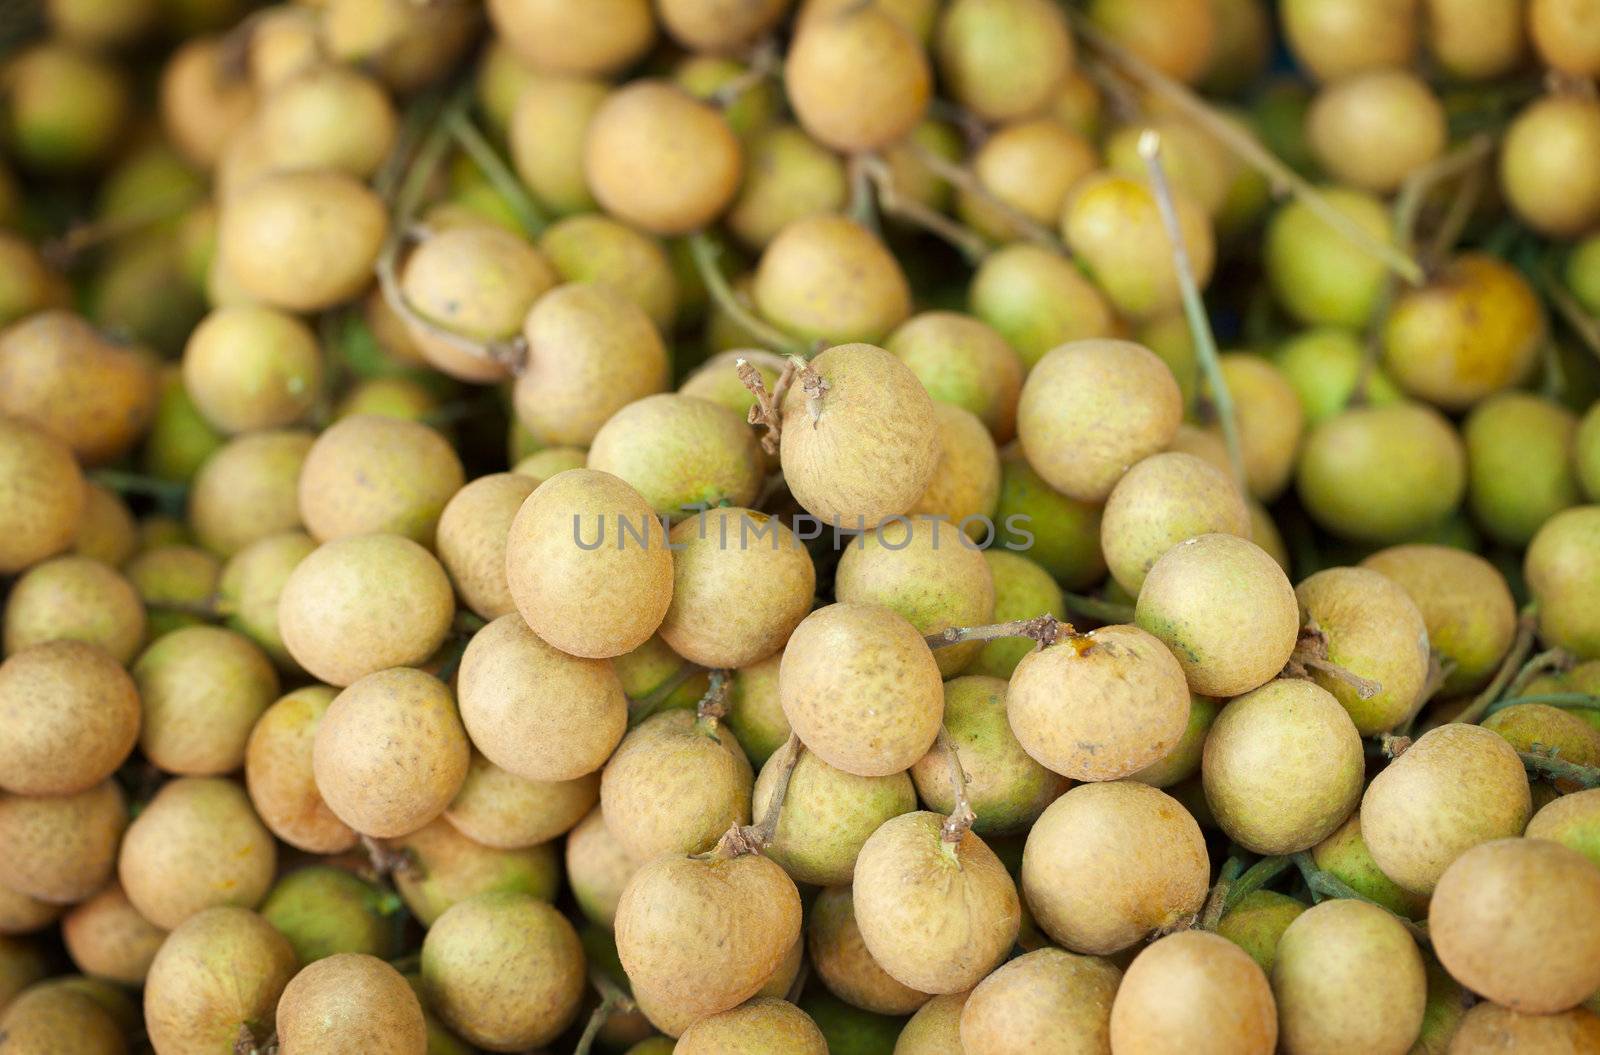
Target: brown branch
965, 179
765, 412
713, 706
959, 823
1045, 629
754, 838
969, 243
1311, 653
385, 861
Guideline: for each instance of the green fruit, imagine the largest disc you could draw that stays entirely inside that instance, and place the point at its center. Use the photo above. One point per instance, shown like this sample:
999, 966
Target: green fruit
1586, 453
1037, 299
1382, 474
1022, 590
1519, 464
1563, 570
1058, 533
1344, 853
1324, 366
827, 816
1258, 921
1583, 273
324, 911
66, 108
849, 1030
1319, 275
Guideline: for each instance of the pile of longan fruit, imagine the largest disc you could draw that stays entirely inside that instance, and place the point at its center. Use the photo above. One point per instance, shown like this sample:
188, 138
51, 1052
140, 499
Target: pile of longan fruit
722, 527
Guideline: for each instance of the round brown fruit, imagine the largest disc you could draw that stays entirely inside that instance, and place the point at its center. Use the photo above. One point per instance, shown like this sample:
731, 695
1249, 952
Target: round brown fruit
681, 453
279, 774
765, 1024
1194, 993
827, 278
857, 78
674, 786
367, 474
69, 716
1038, 1000
221, 972
249, 367
1161, 501
60, 849
472, 535
1372, 629
350, 1002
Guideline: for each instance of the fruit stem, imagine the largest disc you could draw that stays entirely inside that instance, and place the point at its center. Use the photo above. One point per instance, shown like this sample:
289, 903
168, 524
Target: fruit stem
1558, 659
61, 253
1096, 608
1211, 914
766, 412
1194, 308
862, 206
1586, 326
762, 65
245, 1043
612, 1000
959, 823
1324, 885
1254, 878
385, 860
713, 706
813, 384
963, 179
647, 705
1045, 629
1520, 647
1544, 763
497, 172
1567, 701
1311, 653
969, 243
704, 252
1244, 144
754, 838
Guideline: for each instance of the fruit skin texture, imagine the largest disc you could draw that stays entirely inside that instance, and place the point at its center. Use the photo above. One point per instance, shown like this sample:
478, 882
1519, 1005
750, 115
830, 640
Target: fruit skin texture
1282, 767
197, 845
1092, 409
471, 539
1258, 921
703, 936
840, 958
591, 351
1348, 978
660, 159
1142, 837
1457, 786
1543, 169
1465, 604
1321, 276
965, 362
827, 278
857, 78
929, 572
42, 495
368, 474
1060, 534
107, 938
396, 730
452, 868
674, 786
535, 711
938, 916
278, 773
1565, 35
1037, 299
223, 968
1374, 128
1099, 707
505, 971
1193, 993
336, 611
1271, 421
1571, 821
1475, 329
861, 689
1113, 225
60, 849
44, 1015
681, 454
1382, 474
1518, 922
303, 241
578, 539
1489, 1029
203, 688
765, 1026
1372, 628
1174, 36
1164, 499
69, 716
1044, 1001
1003, 59
1562, 566
249, 367
1335, 38
1345, 854
1225, 609
350, 1002
77, 599
828, 815
1022, 590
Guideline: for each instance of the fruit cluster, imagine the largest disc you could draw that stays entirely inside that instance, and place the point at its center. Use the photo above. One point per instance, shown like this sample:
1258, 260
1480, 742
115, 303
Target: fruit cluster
723, 527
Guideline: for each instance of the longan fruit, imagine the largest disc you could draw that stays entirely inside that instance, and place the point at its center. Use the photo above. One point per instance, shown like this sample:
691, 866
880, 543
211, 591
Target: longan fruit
408, 47
451, 868
935, 1028
1003, 59
29, 284
720, 25
1565, 35
477, 282
202, 101
592, 247
74, 599
1372, 629
1318, 273
1345, 855
742, 581
59, 373
390, 753
67, 108
1282, 767
598, 868
857, 78
546, 134
1465, 603
196, 845
1486, 1027
108, 938
1038, 999
367, 474
252, 368
1060, 534
965, 488
364, 603
1475, 329
1270, 422
827, 278
964, 362
658, 158
591, 352
1258, 921
1478, 39
1194, 992
764, 1024
1520, 451
1348, 978
279, 775
682, 454
21, 914
1162, 500
43, 1015
534, 710
203, 689
1545, 169
497, 808
327, 118
1143, 836
222, 970
675, 785
252, 581
1022, 590
61, 848
324, 910
347, 1002
861, 688
69, 716
1336, 38
1112, 223
249, 489
42, 495
303, 241
1195, 163
1561, 570
1373, 129
1324, 365
553, 36
827, 816
471, 540
788, 176
1457, 786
